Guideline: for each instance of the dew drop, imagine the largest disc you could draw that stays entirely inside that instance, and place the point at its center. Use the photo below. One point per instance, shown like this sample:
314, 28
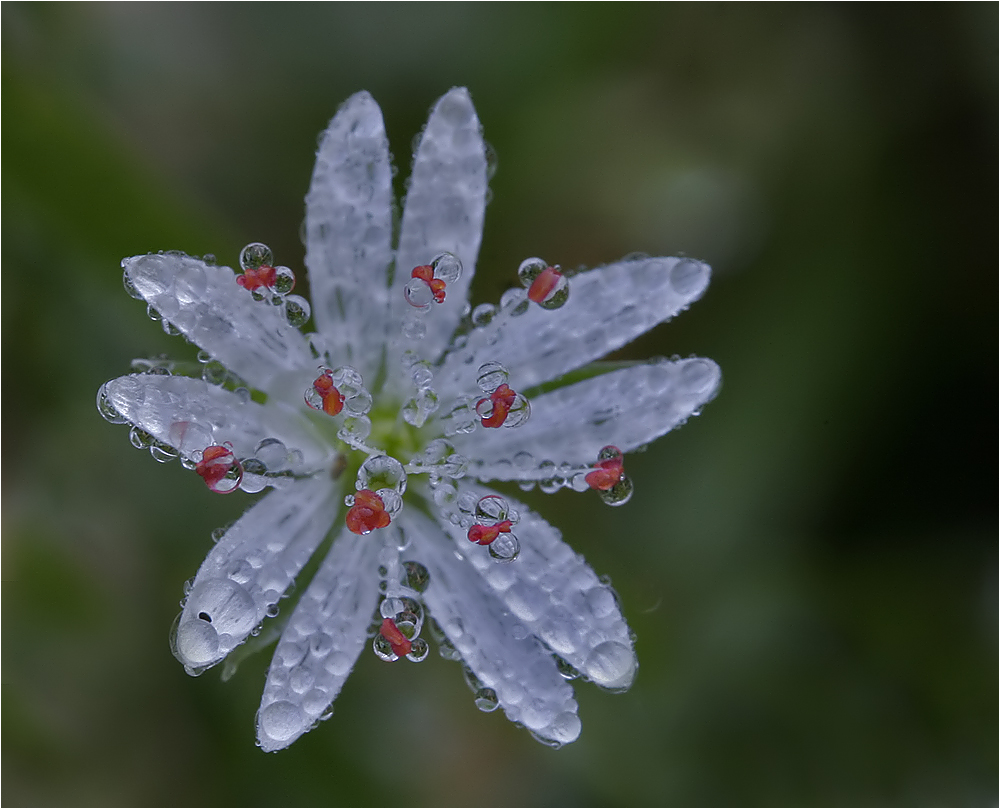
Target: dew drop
483, 314
162, 453
140, 439
297, 310
505, 548
620, 493
491, 509
419, 649
130, 287
106, 409
391, 501
518, 413
284, 280
514, 301
282, 720
415, 576
382, 472
272, 453
383, 649
418, 294
414, 329
529, 270
491, 375
447, 267
255, 255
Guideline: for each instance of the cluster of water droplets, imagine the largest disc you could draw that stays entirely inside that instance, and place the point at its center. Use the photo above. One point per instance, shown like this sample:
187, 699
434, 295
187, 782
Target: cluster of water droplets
401, 612
165, 303
271, 284
552, 477
489, 512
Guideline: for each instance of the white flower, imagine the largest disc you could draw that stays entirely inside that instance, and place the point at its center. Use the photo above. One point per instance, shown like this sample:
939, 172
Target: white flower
405, 404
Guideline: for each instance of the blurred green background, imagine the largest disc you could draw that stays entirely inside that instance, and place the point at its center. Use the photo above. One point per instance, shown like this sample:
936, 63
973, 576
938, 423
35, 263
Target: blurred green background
810, 566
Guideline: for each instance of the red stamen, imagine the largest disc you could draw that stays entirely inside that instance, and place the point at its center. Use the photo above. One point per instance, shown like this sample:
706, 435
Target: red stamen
502, 399
485, 534
264, 276
607, 472
333, 400
543, 285
425, 272
400, 644
215, 464
367, 513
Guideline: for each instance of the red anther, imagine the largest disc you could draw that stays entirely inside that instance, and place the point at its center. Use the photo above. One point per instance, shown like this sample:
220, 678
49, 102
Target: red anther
606, 473
543, 285
485, 534
264, 276
503, 400
215, 463
400, 644
367, 513
425, 272
333, 399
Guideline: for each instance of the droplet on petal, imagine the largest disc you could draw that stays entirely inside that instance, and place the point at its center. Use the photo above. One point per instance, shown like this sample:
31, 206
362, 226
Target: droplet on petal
220, 469
399, 643
297, 310
550, 289
620, 493
324, 395
418, 293
608, 471
382, 472
367, 513
491, 376
255, 255
494, 409
491, 509
505, 548
284, 280
415, 576
447, 267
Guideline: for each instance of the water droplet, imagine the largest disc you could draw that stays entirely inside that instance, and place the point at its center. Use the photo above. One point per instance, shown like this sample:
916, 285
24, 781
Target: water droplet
418, 294
391, 607
391, 501
505, 548
272, 453
524, 461
414, 329
416, 576
284, 280
447, 267
219, 533
214, 373
297, 310
492, 160
491, 509
130, 287
355, 429
383, 649
317, 345
620, 493
688, 276
611, 665
519, 412
140, 439
422, 375
162, 453
483, 314
282, 720
255, 255
241, 571
514, 301
529, 270
382, 472
491, 375
467, 502
106, 409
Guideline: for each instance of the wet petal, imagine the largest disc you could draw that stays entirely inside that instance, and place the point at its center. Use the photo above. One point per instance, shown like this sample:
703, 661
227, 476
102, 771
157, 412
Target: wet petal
249, 569
348, 232
627, 408
190, 415
321, 643
521, 672
554, 593
607, 308
444, 210
251, 338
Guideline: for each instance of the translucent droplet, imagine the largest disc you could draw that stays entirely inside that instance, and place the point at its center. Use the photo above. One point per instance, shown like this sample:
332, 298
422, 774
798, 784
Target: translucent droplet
382, 472
130, 287
297, 310
284, 280
391, 501
620, 493
492, 161
106, 409
240, 571
524, 461
486, 700
491, 509
415, 576
565, 668
514, 302
255, 255
140, 439
383, 649
491, 375
609, 453
418, 294
189, 437
518, 413
391, 607
272, 453
355, 429
557, 296
214, 372
529, 270
611, 665
419, 649
505, 548
447, 267
688, 276
282, 720
467, 503
483, 314
162, 453
219, 533
422, 375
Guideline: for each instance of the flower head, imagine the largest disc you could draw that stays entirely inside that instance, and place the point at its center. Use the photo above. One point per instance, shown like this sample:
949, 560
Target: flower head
379, 431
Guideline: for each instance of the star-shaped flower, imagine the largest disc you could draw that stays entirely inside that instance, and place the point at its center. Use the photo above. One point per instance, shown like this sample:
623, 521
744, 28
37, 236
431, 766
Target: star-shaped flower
378, 432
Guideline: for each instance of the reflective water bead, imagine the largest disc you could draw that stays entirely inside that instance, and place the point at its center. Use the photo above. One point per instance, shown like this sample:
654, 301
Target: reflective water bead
483, 314
620, 493
419, 649
391, 501
608, 471
414, 329
272, 453
254, 476
447, 267
220, 469
418, 294
486, 700
324, 395
688, 275
130, 287
382, 472
467, 502
524, 461
530, 269
422, 375
390, 607
162, 453
106, 409
255, 255
491, 375
284, 280
493, 409
491, 509
355, 430
367, 513
297, 310
214, 373
398, 642
347, 376
383, 649
550, 289
514, 301
258, 280
140, 439
505, 548
415, 576
520, 411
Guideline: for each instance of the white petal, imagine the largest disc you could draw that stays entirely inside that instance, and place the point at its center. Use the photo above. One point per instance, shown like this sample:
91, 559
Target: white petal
348, 233
321, 643
554, 593
521, 672
190, 415
251, 338
607, 308
627, 408
250, 568
444, 211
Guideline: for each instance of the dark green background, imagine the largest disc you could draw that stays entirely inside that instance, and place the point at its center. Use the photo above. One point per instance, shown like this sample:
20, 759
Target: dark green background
810, 566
